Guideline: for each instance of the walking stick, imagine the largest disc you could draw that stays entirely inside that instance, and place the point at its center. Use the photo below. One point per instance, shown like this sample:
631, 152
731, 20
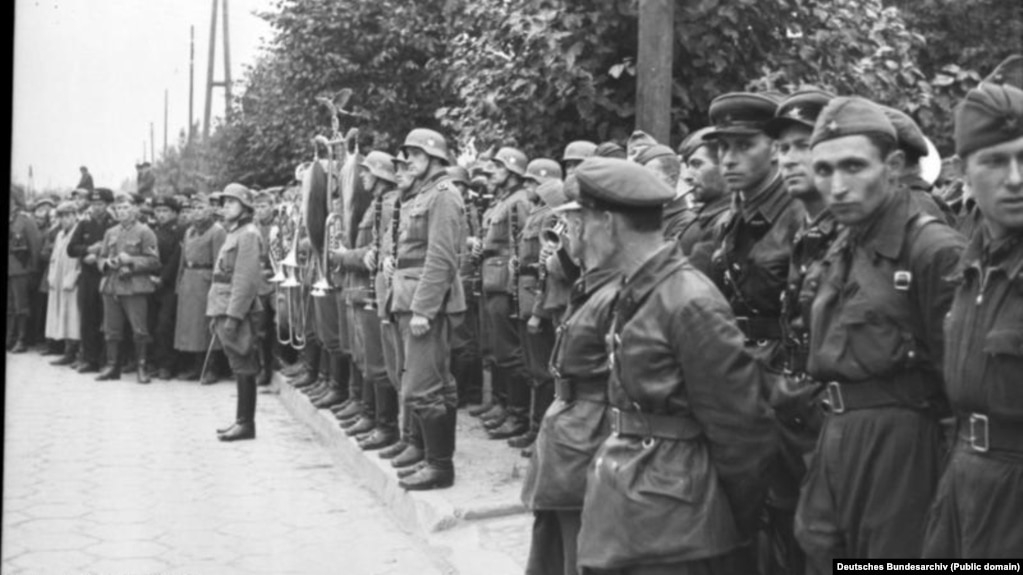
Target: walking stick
209, 351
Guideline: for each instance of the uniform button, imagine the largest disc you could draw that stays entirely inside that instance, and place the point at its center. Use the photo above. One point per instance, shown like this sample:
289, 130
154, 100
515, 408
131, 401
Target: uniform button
911, 354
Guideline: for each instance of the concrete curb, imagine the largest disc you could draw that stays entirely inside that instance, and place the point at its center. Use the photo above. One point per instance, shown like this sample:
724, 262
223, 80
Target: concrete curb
427, 512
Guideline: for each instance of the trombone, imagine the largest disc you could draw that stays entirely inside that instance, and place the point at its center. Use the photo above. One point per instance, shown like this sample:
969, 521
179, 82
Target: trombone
288, 281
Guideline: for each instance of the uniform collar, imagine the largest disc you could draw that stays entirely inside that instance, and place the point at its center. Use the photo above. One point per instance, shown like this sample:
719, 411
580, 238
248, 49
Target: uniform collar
592, 281
825, 222
768, 201
886, 232
714, 208
662, 264
1005, 254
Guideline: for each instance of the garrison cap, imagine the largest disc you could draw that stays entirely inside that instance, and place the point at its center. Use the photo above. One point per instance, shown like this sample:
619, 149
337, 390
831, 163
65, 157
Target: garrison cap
552, 192
743, 113
907, 132
799, 109
693, 142
1010, 72
579, 150
620, 185
638, 141
102, 195
609, 150
851, 116
166, 201
542, 169
651, 153
990, 114
458, 175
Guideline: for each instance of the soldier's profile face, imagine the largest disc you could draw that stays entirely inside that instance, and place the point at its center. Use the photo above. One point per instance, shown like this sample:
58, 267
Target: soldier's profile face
263, 210
745, 160
232, 209
703, 176
401, 173
852, 177
995, 175
499, 175
163, 214
367, 178
418, 162
598, 242
796, 161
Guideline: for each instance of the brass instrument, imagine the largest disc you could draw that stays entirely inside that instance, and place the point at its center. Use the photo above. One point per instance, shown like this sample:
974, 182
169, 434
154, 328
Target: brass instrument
552, 236
378, 212
289, 265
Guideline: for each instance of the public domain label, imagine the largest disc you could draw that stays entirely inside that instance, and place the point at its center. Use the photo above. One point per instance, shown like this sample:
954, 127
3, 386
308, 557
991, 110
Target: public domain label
977, 566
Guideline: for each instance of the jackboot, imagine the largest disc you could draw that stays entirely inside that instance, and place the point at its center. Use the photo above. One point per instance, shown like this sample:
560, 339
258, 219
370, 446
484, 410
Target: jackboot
21, 323
337, 394
311, 362
245, 421
113, 368
524, 440
141, 351
411, 470
394, 450
363, 425
414, 450
70, 352
515, 424
386, 431
51, 347
478, 410
12, 331
438, 425
265, 369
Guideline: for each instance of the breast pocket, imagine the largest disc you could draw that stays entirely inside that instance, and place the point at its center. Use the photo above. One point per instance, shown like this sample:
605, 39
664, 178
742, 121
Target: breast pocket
133, 246
414, 227
872, 341
225, 263
1004, 375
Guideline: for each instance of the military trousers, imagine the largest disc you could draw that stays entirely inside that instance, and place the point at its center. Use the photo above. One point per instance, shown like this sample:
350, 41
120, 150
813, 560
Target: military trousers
510, 381
18, 301
869, 485
426, 381
90, 310
240, 344
553, 545
162, 315
118, 308
467, 354
375, 370
977, 510
325, 320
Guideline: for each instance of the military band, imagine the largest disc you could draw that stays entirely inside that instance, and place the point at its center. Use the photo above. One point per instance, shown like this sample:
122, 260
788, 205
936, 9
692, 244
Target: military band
778, 346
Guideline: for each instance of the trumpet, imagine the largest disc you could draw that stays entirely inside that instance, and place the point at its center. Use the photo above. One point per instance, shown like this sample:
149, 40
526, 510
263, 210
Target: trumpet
331, 243
551, 237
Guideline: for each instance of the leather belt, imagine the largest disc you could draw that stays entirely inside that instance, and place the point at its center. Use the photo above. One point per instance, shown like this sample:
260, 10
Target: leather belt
678, 427
221, 278
908, 391
980, 433
592, 389
404, 264
195, 266
530, 270
760, 328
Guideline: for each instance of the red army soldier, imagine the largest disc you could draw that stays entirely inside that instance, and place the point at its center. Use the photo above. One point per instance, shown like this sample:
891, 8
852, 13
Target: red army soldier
676, 487
979, 502
876, 344
427, 289
703, 177
128, 256
23, 245
234, 305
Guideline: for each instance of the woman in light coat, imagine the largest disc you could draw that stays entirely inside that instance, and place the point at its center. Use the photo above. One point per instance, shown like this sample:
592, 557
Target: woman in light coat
62, 319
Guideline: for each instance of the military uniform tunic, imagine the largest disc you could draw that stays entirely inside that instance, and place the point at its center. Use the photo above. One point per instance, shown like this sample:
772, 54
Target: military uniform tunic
234, 295
876, 342
201, 245
23, 245
696, 236
127, 285
681, 480
979, 503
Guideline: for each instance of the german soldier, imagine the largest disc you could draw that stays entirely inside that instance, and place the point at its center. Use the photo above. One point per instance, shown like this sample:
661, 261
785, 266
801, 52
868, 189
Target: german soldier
163, 304
199, 249
980, 497
576, 424
674, 489
876, 343
23, 245
503, 223
127, 257
263, 217
427, 290
466, 352
234, 306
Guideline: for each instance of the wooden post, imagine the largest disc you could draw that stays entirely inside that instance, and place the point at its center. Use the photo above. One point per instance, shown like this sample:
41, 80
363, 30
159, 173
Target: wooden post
191, 81
165, 122
209, 71
653, 83
227, 66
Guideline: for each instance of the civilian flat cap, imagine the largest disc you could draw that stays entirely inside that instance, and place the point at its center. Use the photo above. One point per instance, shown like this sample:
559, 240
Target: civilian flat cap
741, 113
102, 195
850, 116
799, 109
651, 153
609, 150
66, 207
620, 185
693, 142
552, 192
907, 132
165, 201
990, 114
1010, 72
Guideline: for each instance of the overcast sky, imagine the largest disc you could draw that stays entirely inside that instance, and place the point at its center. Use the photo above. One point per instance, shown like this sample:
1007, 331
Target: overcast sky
90, 75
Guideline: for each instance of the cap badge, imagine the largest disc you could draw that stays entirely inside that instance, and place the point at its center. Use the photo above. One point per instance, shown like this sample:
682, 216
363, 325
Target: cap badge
833, 126
728, 119
796, 113
431, 142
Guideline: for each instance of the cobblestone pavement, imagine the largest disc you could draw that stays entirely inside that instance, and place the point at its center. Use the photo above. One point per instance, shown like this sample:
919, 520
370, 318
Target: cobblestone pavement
116, 477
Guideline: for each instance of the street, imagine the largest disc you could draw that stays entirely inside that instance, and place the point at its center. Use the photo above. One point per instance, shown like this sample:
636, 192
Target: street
117, 477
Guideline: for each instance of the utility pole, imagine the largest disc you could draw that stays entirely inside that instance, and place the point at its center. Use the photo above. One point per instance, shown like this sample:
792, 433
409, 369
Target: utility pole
210, 83
653, 82
152, 143
191, 81
165, 123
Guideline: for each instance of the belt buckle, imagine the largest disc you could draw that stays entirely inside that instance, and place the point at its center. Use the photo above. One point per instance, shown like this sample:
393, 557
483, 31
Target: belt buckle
977, 443
616, 422
834, 392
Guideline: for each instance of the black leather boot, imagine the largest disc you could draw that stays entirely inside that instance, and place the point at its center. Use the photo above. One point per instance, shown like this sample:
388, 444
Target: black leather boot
438, 426
364, 424
393, 451
311, 361
142, 351
70, 352
245, 423
337, 394
12, 331
515, 424
404, 472
386, 431
113, 369
21, 324
413, 452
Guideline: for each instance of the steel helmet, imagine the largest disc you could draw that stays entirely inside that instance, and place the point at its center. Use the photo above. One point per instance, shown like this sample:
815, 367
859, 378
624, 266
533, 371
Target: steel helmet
238, 192
579, 150
430, 142
459, 175
381, 165
513, 159
543, 169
